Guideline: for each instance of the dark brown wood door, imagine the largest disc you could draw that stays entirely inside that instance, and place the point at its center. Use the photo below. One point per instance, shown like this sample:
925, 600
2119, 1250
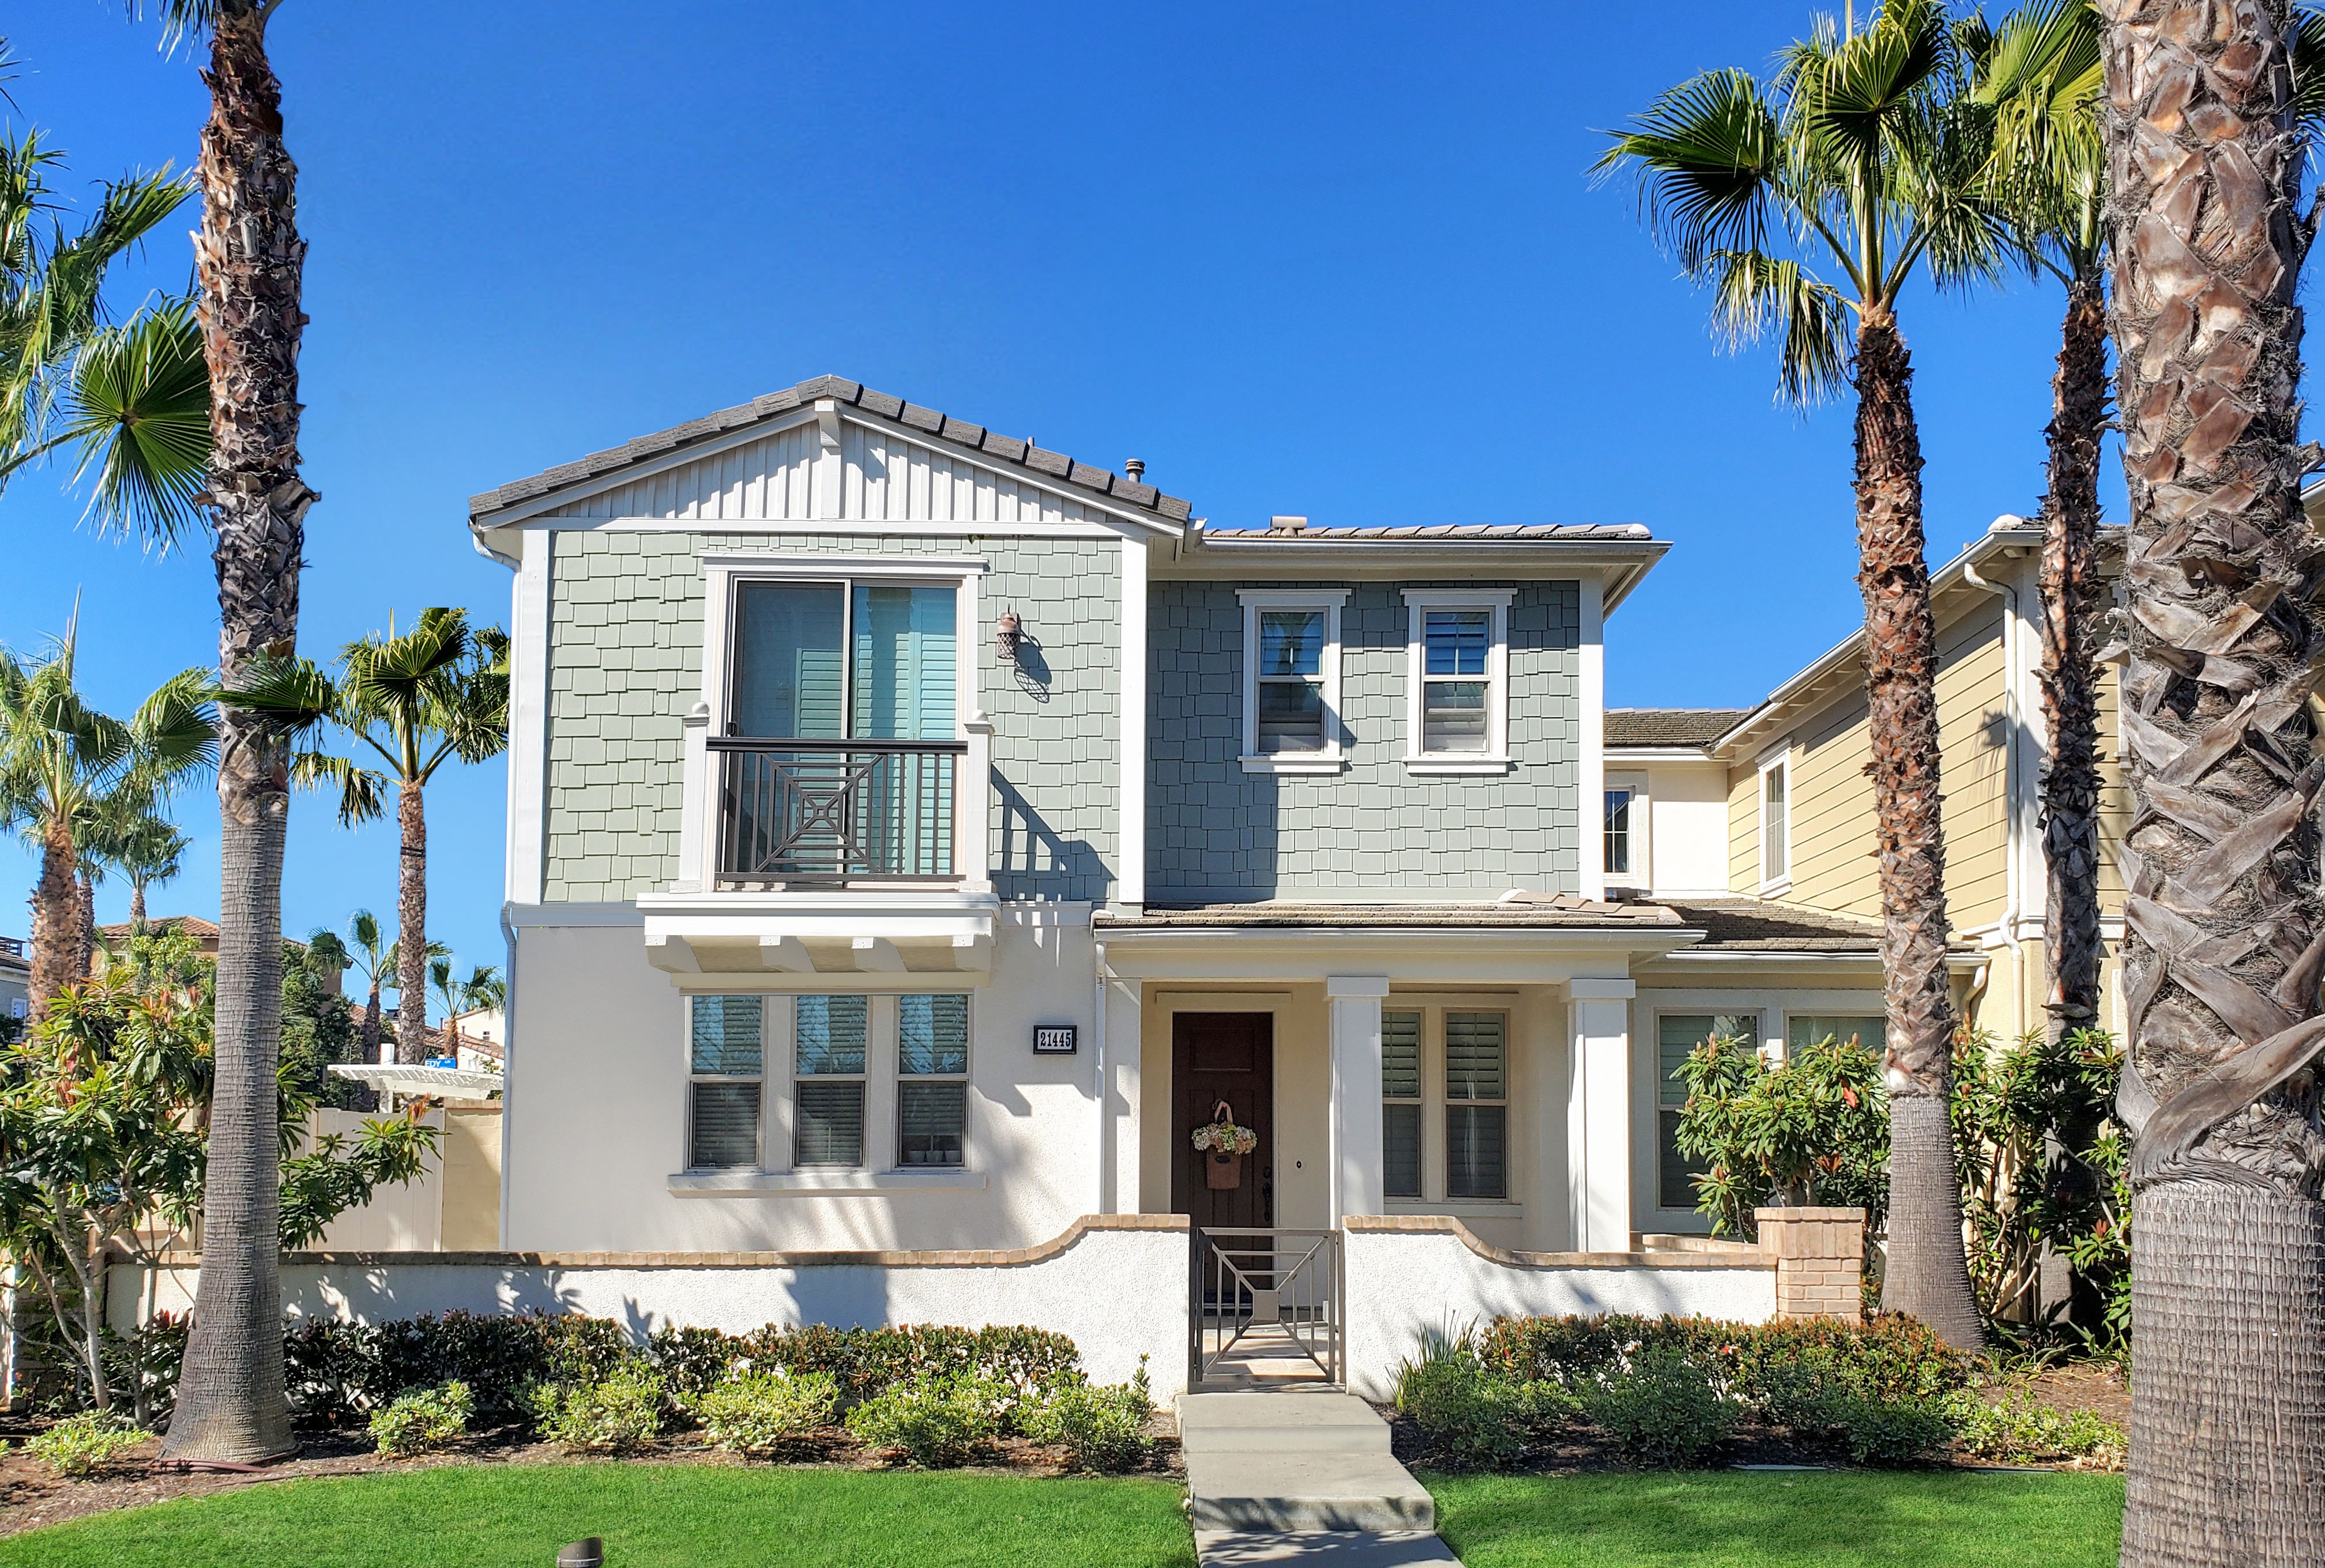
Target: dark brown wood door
1229, 1057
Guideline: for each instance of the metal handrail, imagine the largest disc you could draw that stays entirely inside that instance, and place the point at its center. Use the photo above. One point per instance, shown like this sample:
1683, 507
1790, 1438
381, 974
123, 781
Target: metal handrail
829, 810
828, 744
1232, 1289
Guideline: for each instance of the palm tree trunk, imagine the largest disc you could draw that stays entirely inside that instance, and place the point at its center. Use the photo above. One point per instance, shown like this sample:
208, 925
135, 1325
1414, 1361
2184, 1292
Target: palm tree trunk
56, 918
411, 1043
2072, 606
138, 906
371, 1019
1927, 1271
2226, 925
84, 922
230, 1398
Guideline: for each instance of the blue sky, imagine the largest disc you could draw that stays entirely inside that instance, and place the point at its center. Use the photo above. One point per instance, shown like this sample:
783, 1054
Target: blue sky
1341, 260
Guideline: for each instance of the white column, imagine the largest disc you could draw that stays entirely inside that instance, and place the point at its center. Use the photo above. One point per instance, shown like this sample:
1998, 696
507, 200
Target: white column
1590, 753
528, 747
1130, 834
1120, 1154
972, 833
1599, 1115
1355, 1121
696, 831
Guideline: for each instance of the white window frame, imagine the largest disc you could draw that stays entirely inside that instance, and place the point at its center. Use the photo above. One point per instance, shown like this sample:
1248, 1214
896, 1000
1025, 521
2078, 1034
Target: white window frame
764, 1079
1641, 872
1779, 760
1331, 759
1496, 757
1434, 1103
968, 1061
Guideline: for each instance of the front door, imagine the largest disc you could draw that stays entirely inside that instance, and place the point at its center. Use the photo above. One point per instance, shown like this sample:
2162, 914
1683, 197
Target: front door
1229, 1057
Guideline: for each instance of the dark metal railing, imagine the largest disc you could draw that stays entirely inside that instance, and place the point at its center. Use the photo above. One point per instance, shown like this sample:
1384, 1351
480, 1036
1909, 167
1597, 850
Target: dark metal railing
803, 811
1263, 1298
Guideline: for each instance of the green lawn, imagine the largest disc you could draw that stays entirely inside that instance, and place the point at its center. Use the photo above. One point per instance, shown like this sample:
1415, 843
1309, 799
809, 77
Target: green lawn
651, 1517
1777, 1519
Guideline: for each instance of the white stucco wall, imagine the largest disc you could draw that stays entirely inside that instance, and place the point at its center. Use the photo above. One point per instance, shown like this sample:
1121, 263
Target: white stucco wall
1117, 1294
1687, 822
1402, 1284
596, 1106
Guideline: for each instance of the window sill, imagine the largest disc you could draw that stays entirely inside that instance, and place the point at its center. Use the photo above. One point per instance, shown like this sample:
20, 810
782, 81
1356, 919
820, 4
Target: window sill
1460, 1208
1457, 767
1776, 890
1296, 762
722, 1183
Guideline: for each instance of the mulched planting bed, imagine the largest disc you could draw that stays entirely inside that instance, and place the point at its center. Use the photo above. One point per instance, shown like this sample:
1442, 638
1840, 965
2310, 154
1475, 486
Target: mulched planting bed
31, 1495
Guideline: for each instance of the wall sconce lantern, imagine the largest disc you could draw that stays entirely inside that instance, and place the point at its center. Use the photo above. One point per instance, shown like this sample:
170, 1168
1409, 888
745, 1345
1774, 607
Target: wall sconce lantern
1007, 632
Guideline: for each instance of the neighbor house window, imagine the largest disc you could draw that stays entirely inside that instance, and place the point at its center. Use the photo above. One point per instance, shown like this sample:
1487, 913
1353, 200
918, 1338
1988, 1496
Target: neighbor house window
1291, 679
1458, 708
1618, 833
1806, 1029
1401, 1104
726, 1069
1477, 1104
932, 1079
1775, 823
829, 1035
1677, 1035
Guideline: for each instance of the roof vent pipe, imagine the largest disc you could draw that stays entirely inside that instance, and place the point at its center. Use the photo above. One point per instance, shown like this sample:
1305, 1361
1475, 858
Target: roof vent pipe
1136, 467
1287, 524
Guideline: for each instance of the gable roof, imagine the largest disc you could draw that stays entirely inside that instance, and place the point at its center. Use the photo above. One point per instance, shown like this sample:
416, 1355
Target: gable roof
1055, 467
1670, 726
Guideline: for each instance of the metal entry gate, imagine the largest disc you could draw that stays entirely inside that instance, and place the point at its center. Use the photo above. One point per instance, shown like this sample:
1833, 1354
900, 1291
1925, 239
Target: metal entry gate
1269, 1293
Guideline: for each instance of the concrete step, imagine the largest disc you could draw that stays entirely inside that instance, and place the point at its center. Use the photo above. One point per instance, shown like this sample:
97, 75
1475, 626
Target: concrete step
1323, 1549
1304, 1492
1280, 1422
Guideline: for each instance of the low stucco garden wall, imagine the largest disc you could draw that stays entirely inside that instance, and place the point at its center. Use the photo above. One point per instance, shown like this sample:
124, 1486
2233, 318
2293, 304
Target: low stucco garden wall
1114, 1284
1411, 1274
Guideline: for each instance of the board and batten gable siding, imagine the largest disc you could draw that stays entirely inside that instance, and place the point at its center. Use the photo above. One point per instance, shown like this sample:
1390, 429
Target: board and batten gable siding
1217, 834
625, 664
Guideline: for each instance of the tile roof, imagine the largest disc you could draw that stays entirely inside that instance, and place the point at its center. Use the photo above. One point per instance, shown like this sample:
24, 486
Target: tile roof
1761, 926
191, 925
1562, 911
1055, 467
1670, 726
1335, 534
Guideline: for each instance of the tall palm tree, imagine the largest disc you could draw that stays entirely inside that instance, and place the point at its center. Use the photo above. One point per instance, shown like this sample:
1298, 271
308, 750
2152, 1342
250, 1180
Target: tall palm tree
248, 260
2225, 919
413, 702
369, 950
59, 760
149, 853
1807, 204
2040, 74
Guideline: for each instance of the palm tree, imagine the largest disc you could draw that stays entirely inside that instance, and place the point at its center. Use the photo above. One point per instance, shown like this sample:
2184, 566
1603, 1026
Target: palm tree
248, 260
394, 968
149, 853
415, 701
2225, 919
2040, 75
130, 398
368, 950
482, 989
60, 760
1862, 157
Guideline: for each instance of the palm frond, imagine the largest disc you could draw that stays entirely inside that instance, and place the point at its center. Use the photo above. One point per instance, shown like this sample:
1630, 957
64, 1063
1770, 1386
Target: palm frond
1706, 155
137, 408
363, 792
2309, 70
1755, 295
293, 694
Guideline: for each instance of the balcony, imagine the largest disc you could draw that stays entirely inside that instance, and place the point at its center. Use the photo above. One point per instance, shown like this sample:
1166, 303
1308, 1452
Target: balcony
802, 813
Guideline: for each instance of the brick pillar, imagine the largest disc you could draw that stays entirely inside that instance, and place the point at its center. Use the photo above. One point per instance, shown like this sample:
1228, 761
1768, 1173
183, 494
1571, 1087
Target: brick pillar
1819, 1257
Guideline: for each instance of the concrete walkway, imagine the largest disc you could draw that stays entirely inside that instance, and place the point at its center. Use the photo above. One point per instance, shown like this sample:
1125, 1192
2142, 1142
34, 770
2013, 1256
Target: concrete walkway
1301, 1475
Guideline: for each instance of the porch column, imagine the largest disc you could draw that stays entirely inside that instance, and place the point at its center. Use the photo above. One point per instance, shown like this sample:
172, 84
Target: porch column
1356, 1121
1118, 1156
1599, 1115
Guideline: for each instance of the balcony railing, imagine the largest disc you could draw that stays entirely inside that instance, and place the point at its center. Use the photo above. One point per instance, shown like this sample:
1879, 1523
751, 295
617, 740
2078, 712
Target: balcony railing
797, 810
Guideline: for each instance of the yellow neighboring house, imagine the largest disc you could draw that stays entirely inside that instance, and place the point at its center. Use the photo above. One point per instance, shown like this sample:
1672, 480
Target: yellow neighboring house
1758, 826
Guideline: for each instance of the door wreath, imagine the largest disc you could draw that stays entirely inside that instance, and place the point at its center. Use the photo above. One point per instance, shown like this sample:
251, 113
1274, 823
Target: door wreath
1224, 1144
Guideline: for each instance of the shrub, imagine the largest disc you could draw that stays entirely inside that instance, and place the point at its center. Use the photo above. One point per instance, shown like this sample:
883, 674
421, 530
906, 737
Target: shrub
1469, 1417
610, 1415
2018, 1431
1662, 1407
757, 1413
1891, 1358
935, 1422
1100, 1428
81, 1445
1024, 1363
423, 1419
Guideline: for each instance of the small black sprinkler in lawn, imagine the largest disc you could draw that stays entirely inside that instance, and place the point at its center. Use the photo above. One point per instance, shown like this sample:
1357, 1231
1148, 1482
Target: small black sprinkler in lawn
588, 1553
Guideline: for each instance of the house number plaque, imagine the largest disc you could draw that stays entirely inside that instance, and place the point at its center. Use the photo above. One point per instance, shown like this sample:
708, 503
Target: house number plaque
1054, 1040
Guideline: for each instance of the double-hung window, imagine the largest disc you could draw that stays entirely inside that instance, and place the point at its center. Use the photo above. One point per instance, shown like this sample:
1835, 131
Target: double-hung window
1477, 1105
1401, 1103
1291, 679
932, 1080
1677, 1035
1775, 823
726, 1072
1458, 705
829, 1037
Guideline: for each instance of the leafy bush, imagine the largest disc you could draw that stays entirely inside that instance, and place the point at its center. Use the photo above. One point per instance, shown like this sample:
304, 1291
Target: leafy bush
935, 1422
1893, 1432
1890, 1358
1662, 1407
1101, 1428
2018, 1431
757, 1413
81, 1445
1470, 1417
1025, 1362
612, 1416
423, 1419
1812, 1128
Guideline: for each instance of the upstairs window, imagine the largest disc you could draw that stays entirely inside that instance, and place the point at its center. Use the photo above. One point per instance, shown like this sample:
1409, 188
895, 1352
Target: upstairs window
844, 660
1292, 680
1618, 833
1776, 824
1457, 709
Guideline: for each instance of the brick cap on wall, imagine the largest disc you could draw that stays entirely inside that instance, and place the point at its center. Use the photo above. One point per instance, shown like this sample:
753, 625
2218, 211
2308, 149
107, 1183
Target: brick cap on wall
1740, 1255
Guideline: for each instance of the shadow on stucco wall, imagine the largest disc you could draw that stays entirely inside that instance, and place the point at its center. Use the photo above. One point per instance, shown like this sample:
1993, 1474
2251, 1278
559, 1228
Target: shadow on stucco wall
1033, 860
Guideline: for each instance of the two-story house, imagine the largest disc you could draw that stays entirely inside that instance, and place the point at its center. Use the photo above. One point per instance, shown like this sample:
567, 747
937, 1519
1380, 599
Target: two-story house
915, 835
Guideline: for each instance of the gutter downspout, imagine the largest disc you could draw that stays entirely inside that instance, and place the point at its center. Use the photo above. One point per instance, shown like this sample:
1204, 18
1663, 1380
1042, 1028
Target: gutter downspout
1098, 1070
2014, 895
